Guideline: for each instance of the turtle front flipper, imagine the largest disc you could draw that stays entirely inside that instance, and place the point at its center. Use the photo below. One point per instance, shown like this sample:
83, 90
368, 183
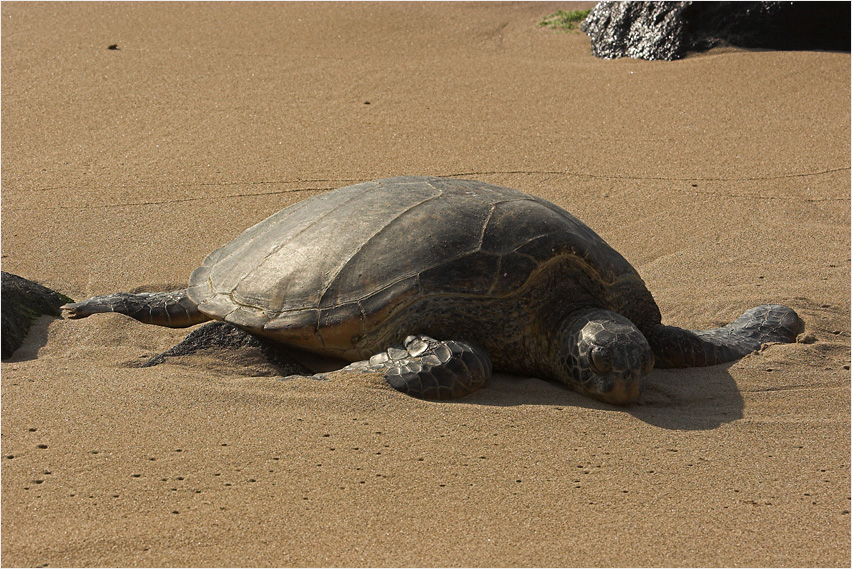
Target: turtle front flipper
429, 369
173, 309
676, 347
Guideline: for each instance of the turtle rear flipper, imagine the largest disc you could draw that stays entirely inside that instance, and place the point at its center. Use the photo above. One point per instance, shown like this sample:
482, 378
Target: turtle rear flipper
676, 347
430, 369
172, 309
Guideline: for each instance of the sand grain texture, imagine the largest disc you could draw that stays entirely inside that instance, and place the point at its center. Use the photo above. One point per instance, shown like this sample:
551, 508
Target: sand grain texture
724, 178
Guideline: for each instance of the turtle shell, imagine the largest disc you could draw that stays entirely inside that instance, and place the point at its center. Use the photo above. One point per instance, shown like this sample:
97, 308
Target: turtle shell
324, 270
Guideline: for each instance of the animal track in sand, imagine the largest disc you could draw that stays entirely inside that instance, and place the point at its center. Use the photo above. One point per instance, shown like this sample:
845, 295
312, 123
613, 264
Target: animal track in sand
329, 184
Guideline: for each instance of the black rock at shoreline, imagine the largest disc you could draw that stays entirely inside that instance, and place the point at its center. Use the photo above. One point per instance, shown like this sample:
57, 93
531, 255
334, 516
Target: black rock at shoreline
668, 30
23, 301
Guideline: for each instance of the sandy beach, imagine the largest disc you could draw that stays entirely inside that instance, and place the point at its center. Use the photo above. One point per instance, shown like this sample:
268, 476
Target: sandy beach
724, 178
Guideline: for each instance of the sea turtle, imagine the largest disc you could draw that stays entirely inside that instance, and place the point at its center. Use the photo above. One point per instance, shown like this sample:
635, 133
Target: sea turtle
431, 281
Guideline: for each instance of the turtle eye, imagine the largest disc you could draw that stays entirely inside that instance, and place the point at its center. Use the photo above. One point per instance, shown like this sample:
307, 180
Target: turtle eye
600, 360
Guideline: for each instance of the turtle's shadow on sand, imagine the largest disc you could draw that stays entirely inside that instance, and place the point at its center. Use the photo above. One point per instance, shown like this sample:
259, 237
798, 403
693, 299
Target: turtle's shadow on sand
688, 399
682, 399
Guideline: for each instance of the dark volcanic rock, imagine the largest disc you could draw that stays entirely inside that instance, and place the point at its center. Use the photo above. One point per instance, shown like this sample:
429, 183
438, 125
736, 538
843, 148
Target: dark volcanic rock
644, 30
22, 302
667, 30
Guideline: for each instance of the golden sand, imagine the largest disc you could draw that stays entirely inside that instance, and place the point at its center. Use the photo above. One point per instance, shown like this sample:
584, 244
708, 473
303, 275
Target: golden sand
724, 178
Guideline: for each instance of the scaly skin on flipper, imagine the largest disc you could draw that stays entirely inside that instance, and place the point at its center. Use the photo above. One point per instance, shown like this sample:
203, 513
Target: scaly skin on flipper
171, 309
426, 368
676, 348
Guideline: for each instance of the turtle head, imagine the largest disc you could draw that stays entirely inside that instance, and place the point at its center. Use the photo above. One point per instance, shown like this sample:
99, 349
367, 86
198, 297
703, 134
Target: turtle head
603, 355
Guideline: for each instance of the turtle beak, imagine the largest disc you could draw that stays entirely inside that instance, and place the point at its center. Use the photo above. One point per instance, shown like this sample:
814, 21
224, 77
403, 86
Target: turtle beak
619, 388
